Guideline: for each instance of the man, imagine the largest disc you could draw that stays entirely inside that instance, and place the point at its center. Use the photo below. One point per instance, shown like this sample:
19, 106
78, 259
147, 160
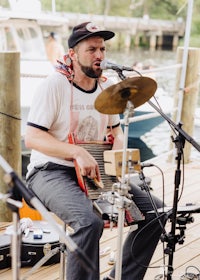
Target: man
64, 104
54, 49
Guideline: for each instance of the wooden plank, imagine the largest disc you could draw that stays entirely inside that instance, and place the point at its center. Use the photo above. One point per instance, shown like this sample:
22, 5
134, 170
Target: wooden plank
185, 255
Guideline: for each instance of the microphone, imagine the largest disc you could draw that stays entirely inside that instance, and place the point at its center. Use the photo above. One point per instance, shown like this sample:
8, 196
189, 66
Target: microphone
104, 65
143, 165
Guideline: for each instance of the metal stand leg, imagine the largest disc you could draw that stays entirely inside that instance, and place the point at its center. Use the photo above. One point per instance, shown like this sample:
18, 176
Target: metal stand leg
16, 247
121, 213
123, 191
63, 258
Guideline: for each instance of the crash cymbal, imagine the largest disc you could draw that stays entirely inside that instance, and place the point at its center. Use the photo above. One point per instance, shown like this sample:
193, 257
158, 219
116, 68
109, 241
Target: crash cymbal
113, 99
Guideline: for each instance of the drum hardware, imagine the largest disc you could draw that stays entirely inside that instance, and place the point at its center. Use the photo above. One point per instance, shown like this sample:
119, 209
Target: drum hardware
137, 90
17, 186
108, 203
119, 96
124, 97
179, 141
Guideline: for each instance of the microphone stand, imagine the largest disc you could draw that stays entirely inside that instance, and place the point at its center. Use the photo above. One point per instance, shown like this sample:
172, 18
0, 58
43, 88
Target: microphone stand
13, 180
122, 202
172, 238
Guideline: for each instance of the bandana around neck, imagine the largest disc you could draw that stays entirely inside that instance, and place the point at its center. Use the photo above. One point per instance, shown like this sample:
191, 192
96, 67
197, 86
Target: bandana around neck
66, 67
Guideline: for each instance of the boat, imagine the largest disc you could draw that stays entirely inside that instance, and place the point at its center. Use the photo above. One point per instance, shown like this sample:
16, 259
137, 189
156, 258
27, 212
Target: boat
24, 30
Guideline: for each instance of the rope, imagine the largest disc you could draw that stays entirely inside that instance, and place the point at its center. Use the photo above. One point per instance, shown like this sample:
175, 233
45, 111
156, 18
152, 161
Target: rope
10, 116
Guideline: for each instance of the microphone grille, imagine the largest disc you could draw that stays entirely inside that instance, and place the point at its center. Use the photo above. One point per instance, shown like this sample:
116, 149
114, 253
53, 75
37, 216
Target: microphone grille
103, 64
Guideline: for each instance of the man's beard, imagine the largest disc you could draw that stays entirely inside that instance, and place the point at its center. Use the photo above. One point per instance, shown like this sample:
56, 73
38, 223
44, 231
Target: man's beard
90, 72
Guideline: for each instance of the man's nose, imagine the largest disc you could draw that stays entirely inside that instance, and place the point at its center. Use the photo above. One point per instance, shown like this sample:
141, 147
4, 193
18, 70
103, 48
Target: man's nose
99, 54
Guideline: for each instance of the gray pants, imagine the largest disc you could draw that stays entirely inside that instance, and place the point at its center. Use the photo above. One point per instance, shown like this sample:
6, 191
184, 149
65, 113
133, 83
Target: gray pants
56, 186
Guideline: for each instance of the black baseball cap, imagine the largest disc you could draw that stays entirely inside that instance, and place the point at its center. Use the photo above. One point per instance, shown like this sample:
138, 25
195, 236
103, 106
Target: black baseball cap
86, 30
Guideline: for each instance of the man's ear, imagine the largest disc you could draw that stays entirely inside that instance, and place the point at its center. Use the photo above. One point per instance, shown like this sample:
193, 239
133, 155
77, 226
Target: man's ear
72, 54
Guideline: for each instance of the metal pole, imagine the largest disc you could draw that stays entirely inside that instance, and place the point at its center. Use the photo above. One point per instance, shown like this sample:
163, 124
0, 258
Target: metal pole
53, 5
123, 190
184, 61
15, 248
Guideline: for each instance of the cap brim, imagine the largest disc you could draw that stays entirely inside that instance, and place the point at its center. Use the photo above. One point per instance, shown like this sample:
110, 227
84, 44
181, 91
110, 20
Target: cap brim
106, 35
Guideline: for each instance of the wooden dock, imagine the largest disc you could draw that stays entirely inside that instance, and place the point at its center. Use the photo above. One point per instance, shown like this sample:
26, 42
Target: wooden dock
186, 255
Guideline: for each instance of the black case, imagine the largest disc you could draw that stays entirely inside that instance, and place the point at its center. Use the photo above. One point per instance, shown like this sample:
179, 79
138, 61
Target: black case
5, 247
33, 250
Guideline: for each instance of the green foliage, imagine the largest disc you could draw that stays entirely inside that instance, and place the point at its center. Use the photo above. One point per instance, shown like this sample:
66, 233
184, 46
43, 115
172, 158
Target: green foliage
85, 7
164, 9
158, 9
4, 3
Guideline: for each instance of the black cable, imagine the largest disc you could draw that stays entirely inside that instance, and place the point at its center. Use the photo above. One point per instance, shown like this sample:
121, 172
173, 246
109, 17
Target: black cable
152, 221
134, 240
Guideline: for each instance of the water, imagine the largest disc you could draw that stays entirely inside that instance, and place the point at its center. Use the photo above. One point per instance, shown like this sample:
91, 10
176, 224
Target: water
158, 139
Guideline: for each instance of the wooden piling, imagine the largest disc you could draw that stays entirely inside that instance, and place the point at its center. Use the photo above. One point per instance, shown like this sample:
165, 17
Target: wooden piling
10, 132
190, 94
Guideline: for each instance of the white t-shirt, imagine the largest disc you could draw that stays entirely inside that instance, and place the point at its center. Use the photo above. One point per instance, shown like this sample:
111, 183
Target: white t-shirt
60, 108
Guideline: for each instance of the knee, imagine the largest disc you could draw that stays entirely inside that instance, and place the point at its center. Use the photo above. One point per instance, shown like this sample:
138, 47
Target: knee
90, 224
94, 227
97, 224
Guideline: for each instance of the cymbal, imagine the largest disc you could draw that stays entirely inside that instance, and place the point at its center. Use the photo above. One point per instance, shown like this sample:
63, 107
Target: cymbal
113, 100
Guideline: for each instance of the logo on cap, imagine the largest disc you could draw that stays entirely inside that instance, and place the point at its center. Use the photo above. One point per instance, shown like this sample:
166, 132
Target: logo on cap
91, 27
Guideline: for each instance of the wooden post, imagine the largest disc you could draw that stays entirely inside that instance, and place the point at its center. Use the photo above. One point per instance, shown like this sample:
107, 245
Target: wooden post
175, 41
137, 40
190, 94
127, 41
160, 41
152, 41
10, 134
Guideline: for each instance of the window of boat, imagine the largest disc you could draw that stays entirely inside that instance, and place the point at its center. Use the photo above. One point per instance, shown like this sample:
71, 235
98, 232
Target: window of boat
30, 43
35, 39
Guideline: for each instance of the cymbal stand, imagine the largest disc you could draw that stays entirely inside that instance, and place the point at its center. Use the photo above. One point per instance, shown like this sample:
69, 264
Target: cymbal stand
122, 202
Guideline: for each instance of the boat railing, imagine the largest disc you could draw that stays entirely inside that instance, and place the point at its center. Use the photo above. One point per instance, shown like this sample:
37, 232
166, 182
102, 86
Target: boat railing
114, 75
143, 117
160, 69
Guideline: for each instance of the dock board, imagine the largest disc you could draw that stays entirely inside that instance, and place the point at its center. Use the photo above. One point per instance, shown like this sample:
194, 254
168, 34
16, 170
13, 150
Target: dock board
186, 255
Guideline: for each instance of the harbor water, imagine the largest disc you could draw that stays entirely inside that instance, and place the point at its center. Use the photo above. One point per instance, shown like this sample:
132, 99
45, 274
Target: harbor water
157, 141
